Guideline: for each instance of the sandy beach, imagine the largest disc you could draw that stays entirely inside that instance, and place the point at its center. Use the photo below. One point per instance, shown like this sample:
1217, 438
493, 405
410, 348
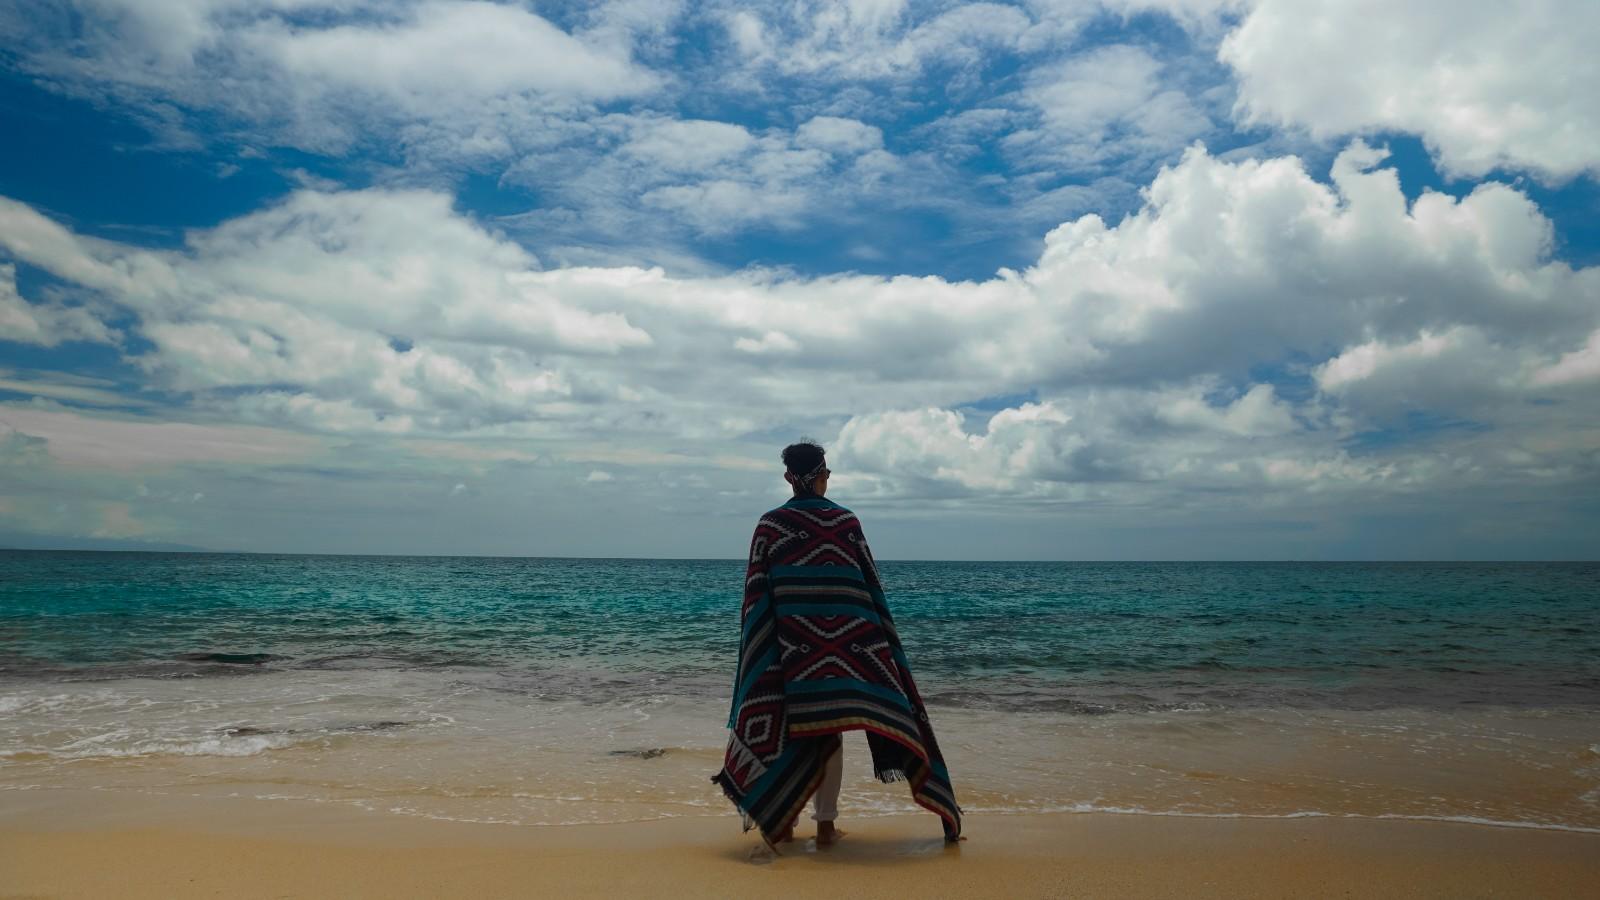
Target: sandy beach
421, 735
523, 449
68, 844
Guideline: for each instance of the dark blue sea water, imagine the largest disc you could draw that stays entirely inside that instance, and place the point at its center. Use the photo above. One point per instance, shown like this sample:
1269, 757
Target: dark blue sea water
1081, 637
559, 691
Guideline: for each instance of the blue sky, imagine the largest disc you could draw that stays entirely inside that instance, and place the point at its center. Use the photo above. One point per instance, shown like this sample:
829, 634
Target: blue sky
1063, 280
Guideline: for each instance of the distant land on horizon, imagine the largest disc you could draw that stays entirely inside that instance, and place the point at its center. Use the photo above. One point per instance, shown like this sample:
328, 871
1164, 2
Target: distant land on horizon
15, 541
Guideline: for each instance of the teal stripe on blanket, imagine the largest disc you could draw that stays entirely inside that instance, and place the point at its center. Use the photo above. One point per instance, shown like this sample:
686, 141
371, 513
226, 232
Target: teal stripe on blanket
778, 767
823, 685
762, 663
753, 618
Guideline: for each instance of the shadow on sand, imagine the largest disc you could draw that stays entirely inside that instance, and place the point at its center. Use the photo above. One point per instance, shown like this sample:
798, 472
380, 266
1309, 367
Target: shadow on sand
854, 849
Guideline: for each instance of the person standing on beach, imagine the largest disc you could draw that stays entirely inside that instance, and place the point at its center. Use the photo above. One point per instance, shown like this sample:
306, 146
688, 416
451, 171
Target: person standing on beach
819, 656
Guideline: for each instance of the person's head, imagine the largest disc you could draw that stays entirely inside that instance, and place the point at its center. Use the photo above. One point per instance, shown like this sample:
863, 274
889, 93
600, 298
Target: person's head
806, 469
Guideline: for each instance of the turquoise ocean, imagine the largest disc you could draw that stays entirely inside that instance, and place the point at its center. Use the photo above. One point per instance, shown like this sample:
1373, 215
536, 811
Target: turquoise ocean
564, 691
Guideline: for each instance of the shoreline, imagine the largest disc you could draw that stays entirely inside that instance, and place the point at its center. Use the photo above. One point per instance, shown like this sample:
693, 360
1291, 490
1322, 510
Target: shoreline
83, 843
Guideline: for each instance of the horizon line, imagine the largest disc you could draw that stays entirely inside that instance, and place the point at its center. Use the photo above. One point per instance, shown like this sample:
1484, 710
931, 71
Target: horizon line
207, 552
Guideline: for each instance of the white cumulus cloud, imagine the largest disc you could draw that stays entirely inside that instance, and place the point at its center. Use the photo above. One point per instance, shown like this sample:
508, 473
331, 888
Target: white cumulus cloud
45, 324
1486, 84
839, 135
1242, 330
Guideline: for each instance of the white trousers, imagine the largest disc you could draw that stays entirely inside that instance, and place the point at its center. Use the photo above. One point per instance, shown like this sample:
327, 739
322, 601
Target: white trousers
825, 802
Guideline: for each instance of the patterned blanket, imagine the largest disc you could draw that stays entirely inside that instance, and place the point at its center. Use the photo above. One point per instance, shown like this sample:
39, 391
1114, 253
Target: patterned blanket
819, 656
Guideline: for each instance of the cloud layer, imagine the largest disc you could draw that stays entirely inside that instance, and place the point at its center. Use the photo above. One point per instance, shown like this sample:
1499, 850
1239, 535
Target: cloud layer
1147, 343
557, 254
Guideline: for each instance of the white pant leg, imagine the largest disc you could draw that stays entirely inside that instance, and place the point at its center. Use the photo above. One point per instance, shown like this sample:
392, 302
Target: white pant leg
825, 802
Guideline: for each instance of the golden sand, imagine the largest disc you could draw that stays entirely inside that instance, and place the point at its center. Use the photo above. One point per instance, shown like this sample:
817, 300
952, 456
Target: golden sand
100, 844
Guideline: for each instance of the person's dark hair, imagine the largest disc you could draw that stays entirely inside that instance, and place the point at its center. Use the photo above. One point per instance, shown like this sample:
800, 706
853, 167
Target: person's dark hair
801, 458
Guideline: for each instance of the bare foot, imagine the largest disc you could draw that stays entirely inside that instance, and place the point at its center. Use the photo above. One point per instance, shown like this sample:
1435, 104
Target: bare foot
827, 834
786, 835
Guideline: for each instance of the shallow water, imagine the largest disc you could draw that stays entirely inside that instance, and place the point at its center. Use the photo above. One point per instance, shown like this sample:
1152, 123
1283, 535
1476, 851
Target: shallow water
539, 691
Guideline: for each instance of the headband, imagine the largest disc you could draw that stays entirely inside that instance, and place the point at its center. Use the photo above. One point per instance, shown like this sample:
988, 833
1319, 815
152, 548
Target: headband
811, 476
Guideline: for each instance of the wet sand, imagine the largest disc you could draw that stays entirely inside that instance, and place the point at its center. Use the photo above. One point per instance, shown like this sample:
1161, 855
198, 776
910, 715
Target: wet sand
78, 843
